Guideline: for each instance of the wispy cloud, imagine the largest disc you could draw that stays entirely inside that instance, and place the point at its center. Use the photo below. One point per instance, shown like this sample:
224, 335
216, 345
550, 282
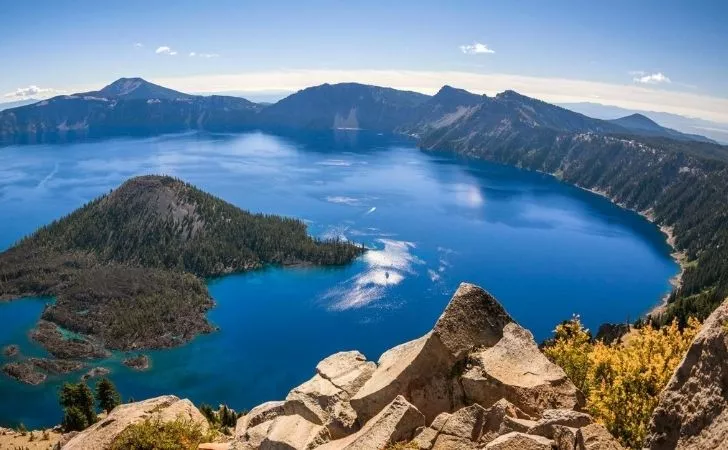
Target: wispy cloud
476, 48
164, 50
204, 55
646, 97
32, 91
643, 77
640, 96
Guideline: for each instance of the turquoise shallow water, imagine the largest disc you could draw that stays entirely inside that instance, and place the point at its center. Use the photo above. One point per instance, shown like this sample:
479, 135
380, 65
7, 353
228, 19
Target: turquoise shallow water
545, 249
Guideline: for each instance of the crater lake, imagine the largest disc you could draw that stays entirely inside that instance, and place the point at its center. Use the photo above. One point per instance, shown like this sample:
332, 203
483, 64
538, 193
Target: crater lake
545, 249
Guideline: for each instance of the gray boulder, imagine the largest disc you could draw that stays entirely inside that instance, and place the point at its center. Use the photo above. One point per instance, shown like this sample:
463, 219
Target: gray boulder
426, 369
397, 422
693, 409
520, 441
166, 408
515, 369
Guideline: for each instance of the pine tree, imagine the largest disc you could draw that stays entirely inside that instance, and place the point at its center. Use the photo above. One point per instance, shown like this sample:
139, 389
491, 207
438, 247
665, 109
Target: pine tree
74, 419
78, 403
107, 396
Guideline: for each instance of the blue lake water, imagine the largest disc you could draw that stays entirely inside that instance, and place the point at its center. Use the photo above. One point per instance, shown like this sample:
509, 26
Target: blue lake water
546, 250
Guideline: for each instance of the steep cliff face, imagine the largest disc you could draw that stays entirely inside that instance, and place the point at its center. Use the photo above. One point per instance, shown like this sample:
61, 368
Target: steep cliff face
693, 408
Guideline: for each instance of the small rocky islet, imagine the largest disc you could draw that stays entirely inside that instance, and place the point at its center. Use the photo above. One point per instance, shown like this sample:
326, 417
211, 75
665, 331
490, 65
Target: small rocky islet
139, 362
10, 351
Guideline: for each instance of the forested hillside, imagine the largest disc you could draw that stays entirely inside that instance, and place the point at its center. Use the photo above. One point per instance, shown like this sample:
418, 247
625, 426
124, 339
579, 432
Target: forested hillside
683, 185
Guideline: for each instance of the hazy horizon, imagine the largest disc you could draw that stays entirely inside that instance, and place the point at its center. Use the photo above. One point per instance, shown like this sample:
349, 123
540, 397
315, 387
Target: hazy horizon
560, 52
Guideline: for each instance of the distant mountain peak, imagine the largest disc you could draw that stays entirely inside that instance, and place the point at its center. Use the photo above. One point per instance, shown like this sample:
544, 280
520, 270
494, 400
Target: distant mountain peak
137, 88
638, 121
512, 95
450, 90
641, 118
124, 86
451, 95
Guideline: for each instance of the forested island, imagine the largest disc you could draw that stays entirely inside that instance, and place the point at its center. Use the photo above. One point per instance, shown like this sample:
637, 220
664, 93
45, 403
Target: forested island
127, 269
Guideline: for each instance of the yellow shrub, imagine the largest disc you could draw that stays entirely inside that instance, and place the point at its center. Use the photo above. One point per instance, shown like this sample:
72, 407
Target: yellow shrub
621, 382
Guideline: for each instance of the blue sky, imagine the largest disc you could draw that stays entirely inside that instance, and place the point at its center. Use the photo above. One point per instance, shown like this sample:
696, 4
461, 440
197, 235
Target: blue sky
670, 55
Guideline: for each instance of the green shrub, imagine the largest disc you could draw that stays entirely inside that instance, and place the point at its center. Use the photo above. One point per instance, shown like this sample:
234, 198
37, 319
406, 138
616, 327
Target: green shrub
153, 434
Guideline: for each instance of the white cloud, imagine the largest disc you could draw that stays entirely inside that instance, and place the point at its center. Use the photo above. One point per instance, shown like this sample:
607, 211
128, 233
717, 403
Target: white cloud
204, 55
475, 48
555, 90
32, 91
649, 78
138, 45
164, 50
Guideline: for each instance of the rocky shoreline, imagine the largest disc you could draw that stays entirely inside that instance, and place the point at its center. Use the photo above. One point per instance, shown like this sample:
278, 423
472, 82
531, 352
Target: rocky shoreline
35, 371
679, 257
50, 337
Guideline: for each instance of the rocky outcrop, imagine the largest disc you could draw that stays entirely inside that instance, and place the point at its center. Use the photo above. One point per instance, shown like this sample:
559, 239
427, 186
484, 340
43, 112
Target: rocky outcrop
25, 372
693, 409
315, 412
140, 362
49, 336
57, 366
95, 372
515, 369
167, 408
519, 441
397, 422
423, 368
596, 437
477, 380
10, 351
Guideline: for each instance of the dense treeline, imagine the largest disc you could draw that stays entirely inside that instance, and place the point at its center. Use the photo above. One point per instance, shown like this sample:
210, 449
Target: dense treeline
162, 222
126, 267
680, 185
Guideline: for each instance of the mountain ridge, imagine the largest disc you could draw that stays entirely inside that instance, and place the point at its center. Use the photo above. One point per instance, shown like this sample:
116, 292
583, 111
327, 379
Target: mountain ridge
134, 106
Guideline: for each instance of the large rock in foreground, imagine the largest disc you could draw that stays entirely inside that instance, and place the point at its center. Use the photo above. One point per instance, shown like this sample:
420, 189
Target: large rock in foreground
167, 408
422, 369
477, 380
515, 369
693, 408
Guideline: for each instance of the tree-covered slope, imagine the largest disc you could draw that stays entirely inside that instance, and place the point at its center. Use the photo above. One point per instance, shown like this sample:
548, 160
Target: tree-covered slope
126, 268
682, 185
164, 223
